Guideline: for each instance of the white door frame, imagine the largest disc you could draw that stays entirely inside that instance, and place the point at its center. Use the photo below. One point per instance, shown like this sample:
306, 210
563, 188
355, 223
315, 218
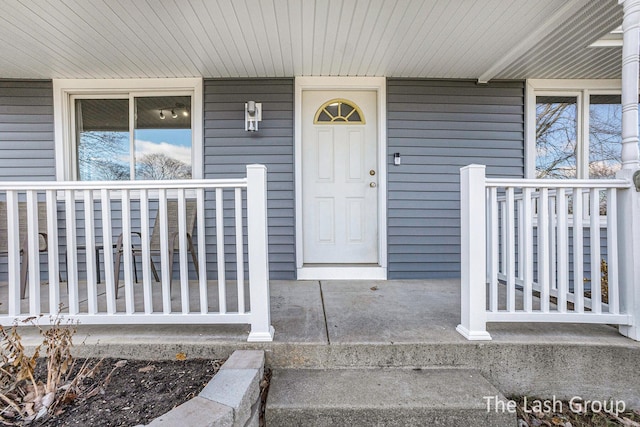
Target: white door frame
378, 84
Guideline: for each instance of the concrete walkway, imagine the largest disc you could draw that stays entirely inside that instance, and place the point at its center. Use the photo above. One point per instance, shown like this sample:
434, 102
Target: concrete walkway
359, 324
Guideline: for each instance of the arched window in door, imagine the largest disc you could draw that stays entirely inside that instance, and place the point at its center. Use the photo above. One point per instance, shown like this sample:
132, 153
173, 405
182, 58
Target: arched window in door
339, 111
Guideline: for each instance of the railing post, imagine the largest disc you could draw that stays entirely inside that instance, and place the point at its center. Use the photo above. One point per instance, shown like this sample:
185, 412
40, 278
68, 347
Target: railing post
629, 254
473, 318
258, 251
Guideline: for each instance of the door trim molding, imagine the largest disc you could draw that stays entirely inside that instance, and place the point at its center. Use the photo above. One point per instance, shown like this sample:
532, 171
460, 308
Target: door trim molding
379, 85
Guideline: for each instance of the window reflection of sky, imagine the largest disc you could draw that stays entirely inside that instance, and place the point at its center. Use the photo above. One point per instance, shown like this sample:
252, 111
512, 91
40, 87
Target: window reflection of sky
174, 143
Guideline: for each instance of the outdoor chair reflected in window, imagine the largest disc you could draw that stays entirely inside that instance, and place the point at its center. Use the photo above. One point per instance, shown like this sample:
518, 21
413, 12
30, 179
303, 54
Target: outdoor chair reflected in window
23, 246
154, 243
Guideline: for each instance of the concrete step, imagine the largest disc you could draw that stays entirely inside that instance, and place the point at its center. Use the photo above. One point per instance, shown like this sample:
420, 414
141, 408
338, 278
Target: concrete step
382, 397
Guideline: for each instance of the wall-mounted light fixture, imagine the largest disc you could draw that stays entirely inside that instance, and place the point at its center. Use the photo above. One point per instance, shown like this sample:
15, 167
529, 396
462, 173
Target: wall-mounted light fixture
175, 110
252, 115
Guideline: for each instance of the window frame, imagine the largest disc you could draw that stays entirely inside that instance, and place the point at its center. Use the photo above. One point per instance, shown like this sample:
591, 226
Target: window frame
583, 89
65, 91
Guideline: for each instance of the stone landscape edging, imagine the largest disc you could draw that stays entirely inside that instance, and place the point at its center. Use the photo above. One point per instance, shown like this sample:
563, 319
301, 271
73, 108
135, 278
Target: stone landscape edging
230, 399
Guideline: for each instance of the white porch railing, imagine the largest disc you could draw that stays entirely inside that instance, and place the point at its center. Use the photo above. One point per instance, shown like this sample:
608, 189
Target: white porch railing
532, 251
94, 216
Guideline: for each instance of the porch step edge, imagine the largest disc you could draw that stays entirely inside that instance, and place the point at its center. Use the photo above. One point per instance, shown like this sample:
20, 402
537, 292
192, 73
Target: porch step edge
382, 396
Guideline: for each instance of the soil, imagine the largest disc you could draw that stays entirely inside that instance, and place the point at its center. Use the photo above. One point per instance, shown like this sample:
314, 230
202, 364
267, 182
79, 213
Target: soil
136, 393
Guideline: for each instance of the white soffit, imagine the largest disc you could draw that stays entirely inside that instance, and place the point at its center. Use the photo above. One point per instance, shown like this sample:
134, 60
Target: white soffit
281, 38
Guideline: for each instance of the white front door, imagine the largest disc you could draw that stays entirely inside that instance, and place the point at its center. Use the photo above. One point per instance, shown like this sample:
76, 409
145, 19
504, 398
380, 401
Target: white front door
339, 177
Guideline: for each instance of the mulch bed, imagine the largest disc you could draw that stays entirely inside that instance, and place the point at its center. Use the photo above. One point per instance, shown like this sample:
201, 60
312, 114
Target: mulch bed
580, 414
137, 392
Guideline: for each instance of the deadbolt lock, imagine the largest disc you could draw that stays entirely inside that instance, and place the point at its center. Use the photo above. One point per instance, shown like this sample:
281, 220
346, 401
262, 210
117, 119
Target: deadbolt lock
372, 172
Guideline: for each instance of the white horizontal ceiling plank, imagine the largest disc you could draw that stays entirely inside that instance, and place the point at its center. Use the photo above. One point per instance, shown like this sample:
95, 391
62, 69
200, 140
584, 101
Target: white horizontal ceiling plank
496, 26
435, 46
106, 25
143, 21
412, 38
568, 41
86, 42
42, 43
320, 30
333, 30
266, 24
257, 47
218, 36
398, 36
342, 42
134, 29
207, 38
223, 17
350, 39
181, 25
307, 17
283, 17
372, 14
389, 20
276, 38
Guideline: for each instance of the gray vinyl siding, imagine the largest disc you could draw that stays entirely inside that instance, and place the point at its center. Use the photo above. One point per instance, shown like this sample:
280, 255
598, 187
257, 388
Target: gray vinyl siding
228, 148
26, 130
439, 126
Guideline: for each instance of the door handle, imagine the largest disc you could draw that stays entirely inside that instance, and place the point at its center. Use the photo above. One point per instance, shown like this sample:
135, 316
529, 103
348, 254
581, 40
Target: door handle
373, 185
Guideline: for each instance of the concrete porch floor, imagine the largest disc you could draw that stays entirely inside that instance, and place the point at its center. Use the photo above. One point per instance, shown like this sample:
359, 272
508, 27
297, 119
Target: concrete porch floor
340, 324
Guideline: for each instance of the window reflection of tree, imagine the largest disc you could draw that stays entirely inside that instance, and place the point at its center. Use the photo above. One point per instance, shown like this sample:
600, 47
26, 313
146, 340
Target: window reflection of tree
556, 142
103, 156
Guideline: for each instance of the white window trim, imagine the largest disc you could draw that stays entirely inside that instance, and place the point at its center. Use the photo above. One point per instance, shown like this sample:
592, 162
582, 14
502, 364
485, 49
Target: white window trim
65, 89
581, 88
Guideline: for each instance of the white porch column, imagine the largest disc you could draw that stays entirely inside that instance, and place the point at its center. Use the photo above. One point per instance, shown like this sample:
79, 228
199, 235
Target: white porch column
473, 256
630, 62
258, 252
629, 250
629, 200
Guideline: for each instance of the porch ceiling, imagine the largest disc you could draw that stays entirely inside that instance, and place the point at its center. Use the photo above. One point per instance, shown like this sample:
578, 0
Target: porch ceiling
478, 39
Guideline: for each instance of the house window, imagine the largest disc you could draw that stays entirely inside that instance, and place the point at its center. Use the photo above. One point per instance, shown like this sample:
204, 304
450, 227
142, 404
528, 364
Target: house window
128, 130
339, 111
576, 131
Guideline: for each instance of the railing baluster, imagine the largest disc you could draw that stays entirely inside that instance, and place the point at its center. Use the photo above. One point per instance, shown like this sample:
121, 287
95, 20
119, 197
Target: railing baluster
543, 249
164, 251
202, 251
527, 249
33, 253
511, 249
222, 285
13, 255
563, 250
492, 237
553, 247
594, 236
520, 244
503, 237
72, 250
90, 244
126, 251
578, 252
147, 289
239, 250
107, 246
52, 251
182, 252
612, 251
